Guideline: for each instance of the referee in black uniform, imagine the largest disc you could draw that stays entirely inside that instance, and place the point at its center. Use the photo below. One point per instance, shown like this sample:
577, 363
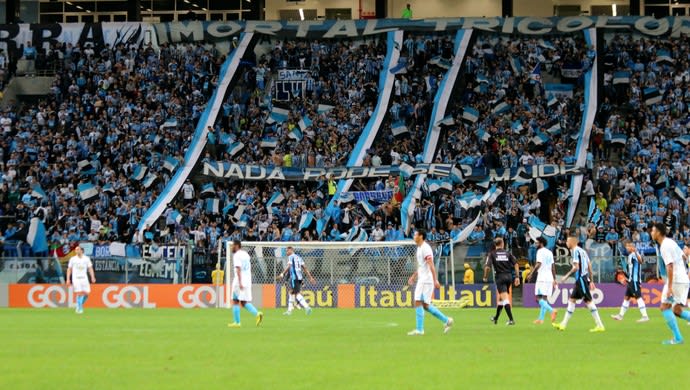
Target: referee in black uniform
507, 272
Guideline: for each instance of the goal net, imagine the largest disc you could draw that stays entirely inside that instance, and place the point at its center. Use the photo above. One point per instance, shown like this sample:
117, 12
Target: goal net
331, 263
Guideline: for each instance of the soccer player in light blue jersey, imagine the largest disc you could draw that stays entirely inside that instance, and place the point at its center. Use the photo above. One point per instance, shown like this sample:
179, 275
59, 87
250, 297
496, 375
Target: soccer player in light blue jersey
633, 288
675, 293
426, 283
296, 269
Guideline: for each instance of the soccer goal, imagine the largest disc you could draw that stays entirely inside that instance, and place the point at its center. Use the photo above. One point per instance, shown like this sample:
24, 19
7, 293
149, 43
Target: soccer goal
374, 263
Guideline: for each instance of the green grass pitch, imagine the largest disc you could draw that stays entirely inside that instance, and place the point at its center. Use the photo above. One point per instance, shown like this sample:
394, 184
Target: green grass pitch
331, 349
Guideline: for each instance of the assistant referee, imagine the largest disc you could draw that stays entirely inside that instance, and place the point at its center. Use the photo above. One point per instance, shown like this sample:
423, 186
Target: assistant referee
507, 272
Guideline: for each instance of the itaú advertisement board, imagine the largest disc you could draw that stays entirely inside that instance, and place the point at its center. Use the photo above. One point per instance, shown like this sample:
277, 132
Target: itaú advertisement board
190, 296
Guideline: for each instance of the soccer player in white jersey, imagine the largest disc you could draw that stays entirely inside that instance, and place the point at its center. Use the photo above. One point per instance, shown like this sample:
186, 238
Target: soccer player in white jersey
426, 283
296, 269
582, 268
79, 269
546, 280
675, 293
242, 285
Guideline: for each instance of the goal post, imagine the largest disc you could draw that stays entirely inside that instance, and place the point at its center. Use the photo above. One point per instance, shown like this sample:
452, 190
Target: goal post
331, 263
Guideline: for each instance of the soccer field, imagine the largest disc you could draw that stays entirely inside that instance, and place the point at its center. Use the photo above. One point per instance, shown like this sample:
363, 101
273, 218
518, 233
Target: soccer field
348, 349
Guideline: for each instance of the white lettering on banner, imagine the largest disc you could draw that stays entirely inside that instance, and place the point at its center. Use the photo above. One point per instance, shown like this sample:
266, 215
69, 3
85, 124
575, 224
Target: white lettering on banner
127, 297
192, 297
50, 296
293, 74
564, 295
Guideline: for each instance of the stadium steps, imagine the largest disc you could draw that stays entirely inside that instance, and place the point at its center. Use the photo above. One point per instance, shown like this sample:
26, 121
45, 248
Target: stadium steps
26, 87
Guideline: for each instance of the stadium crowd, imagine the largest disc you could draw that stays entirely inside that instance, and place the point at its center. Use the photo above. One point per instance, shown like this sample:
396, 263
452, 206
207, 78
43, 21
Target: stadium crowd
121, 118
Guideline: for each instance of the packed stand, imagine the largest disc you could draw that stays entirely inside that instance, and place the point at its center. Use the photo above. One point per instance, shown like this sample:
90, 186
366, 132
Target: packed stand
93, 155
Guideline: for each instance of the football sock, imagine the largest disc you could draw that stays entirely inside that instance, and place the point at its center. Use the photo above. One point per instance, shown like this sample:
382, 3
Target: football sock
545, 305
420, 318
250, 308
672, 324
236, 313
568, 313
685, 314
542, 311
302, 302
509, 311
499, 309
84, 299
624, 308
291, 303
643, 308
437, 313
595, 314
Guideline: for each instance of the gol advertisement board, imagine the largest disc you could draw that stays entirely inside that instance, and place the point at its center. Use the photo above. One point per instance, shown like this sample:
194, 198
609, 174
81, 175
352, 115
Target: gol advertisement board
147, 296
188, 296
604, 295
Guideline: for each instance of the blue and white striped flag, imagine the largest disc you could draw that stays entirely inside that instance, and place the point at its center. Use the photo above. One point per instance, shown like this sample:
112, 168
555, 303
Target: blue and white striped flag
470, 200
434, 185
108, 187
492, 194
269, 142
482, 79
594, 214
542, 185
276, 198
619, 139
552, 99
368, 207
448, 120
405, 170
296, 134
305, 122
37, 191
176, 216
87, 191
149, 179
621, 77
324, 108
170, 122
239, 212
139, 172
651, 96
553, 128
483, 135
279, 115
663, 56
306, 220
470, 114
398, 128
212, 205
683, 139
484, 183
540, 138
465, 233
37, 236
207, 189
346, 197
229, 205
500, 107
170, 163
235, 147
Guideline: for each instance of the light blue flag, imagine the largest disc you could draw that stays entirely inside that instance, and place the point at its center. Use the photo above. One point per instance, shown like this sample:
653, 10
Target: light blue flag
139, 172
170, 163
304, 123
37, 236
470, 114
276, 198
306, 220
37, 191
368, 207
87, 191
212, 205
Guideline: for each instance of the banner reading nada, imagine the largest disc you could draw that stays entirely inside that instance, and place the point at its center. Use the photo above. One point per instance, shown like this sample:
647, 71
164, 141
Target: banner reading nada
455, 172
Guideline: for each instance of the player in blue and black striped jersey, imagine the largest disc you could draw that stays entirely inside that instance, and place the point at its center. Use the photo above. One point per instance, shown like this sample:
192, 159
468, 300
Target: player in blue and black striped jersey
634, 283
296, 270
582, 268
